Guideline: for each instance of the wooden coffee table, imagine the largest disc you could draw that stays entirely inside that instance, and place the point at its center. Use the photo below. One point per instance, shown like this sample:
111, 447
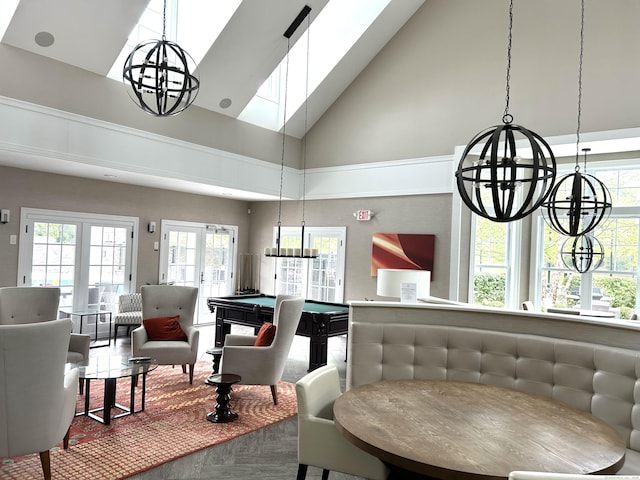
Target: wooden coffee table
459, 431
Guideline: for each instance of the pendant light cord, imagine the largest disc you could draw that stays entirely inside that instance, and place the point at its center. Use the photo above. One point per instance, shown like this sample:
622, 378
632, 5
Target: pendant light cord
507, 117
306, 110
580, 88
164, 21
284, 127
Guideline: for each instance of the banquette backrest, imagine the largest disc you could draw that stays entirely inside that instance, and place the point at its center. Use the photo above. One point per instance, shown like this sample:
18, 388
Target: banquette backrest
543, 354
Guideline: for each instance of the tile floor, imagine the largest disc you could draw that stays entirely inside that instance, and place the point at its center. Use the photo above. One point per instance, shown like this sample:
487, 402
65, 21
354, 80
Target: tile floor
269, 453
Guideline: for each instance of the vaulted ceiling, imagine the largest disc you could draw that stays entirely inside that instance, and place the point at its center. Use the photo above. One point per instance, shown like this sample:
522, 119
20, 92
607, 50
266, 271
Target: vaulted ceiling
90, 34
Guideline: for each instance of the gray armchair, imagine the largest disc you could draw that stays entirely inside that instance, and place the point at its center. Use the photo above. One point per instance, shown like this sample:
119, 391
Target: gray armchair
168, 301
37, 413
319, 442
264, 365
19, 305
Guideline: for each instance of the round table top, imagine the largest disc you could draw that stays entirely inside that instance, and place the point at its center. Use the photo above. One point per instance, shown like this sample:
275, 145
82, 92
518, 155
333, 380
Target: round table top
113, 366
459, 430
224, 378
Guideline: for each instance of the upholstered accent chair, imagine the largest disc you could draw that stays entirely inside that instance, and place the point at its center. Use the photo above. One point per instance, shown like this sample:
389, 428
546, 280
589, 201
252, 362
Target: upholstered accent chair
165, 301
38, 398
129, 313
566, 476
264, 365
20, 305
319, 442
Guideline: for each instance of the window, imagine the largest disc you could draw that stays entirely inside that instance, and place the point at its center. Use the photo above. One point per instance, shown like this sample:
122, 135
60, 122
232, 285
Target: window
493, 279
320, 278
91, 257
614, 285
199, 255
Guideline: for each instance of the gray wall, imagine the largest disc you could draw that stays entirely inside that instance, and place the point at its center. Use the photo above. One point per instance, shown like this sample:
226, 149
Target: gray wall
418, 214
441, 79
24, 188
415, 214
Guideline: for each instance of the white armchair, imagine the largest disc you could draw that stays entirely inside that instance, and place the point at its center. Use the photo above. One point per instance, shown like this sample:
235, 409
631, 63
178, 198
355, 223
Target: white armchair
168, 301
319, 442
522, 475
264, 365
38, 400
20, 305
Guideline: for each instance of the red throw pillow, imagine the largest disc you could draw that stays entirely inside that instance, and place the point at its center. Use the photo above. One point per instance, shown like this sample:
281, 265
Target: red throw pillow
164, 328
265, 335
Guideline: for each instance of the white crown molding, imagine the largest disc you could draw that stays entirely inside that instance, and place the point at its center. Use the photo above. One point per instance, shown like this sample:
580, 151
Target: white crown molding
415, 176
67, 143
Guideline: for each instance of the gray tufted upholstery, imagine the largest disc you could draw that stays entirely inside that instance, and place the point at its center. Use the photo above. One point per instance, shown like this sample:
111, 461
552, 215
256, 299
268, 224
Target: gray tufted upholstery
601, 379
129, 312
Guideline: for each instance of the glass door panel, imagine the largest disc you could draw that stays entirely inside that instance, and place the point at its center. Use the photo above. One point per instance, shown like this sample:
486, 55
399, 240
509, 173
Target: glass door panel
107, 266
182, 259
324, 280
200, 256
53, 258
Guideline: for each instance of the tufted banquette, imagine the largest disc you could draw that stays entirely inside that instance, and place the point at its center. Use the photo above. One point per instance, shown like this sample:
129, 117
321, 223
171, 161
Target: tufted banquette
590, 364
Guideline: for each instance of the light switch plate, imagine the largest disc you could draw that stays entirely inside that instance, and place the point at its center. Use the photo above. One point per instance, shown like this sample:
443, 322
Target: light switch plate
13, 239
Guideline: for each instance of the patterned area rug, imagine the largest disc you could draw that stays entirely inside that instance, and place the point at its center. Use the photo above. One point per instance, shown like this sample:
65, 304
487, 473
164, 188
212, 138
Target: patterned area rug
173, 425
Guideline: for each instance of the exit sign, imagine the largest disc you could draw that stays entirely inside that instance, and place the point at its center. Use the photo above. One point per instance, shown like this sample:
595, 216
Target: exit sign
363, 215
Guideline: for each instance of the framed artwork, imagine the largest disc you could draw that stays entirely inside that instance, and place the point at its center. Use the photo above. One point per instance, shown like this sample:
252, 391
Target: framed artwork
402, 250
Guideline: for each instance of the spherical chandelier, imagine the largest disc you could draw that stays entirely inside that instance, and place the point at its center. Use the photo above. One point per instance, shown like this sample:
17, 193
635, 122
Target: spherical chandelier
161, 77
498, 183
583, 253
577, 204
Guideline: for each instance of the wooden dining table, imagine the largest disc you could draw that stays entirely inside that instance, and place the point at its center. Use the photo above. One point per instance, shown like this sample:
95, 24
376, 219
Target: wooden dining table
458, 431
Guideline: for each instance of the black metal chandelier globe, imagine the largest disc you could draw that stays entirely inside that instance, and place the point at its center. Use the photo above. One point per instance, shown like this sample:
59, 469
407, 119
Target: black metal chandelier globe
161, 78
499, 184
577, 204
583, 253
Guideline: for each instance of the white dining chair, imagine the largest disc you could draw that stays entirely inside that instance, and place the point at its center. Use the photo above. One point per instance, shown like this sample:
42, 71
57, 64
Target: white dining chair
319, 442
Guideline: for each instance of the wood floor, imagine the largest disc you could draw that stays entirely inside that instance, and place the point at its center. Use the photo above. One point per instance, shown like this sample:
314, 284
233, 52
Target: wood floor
269, 453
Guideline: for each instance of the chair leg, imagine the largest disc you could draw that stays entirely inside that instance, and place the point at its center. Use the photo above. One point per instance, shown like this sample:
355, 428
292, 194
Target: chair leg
81, 386
45, 460
274, 394
184, 368
302, 471
325, 474
191, 366
65, 440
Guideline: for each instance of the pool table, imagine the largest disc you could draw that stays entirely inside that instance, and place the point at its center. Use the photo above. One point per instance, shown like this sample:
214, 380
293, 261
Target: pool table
319, 320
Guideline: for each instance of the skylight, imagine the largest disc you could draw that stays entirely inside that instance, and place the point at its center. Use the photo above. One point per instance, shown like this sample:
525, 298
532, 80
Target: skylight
192, 24
335, 30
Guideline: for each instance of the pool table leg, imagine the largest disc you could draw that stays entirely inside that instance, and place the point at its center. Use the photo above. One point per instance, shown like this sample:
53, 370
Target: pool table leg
317, 351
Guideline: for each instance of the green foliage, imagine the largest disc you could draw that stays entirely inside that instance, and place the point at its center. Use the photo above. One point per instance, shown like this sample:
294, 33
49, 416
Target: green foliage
622, 292
489, 289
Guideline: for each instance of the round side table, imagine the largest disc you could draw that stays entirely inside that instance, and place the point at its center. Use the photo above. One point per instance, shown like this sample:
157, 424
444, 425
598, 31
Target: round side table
216, 353
223, 383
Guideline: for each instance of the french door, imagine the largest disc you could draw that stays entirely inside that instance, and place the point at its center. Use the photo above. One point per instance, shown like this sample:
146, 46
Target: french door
320, 278
91, 257
199, 255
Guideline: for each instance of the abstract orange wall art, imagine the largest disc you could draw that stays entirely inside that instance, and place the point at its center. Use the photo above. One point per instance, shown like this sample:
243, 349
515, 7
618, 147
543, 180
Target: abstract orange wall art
412, 251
